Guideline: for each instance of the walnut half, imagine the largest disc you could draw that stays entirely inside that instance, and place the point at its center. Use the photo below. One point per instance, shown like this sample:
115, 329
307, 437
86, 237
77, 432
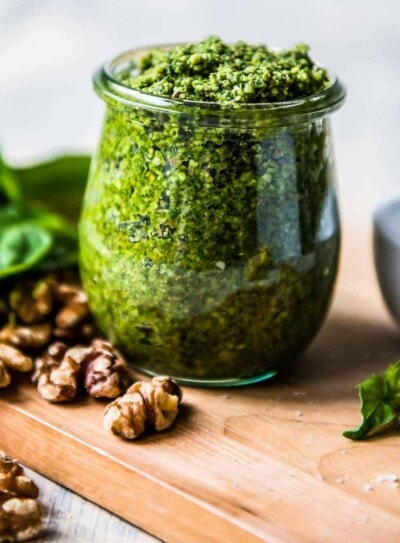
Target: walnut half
20, 512
12, 359
60, 371
144, 405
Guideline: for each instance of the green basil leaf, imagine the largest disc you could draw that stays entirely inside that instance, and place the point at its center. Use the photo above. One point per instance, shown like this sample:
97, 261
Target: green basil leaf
39, 210
11, 214
65, 248
57, 184
377, 410
392, 377
22, 246
63, 253
53, 222
10, 191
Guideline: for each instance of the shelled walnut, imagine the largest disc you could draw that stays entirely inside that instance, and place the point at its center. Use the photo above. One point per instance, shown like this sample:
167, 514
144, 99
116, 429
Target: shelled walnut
106, 374
60, 371
32, 301
12, 359
56, 375
144, 405
20, 512
27, 337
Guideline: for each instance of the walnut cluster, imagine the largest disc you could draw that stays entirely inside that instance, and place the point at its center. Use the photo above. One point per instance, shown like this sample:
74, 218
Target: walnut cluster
144, 405
20, 512
48, 326
36, 313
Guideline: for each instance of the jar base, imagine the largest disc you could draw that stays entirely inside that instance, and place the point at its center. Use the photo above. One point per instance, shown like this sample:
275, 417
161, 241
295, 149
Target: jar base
213, 383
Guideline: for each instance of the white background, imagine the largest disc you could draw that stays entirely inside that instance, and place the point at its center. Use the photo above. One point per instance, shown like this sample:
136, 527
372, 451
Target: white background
48, 50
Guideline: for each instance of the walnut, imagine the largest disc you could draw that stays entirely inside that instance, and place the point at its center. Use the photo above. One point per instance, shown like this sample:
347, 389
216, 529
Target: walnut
106, 374
56, 375
59, 371
34, 336
33, 302
5, 377
68, 294
168, 385
126, 416
14, 359
144, 405
20, 513
73, 321
75, 306
8, 465
71, 315
82, 332
20, 520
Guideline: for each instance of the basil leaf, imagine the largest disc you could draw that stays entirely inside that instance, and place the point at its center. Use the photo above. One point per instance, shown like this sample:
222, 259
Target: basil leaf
57, 184
392, 376
22, 246
39, 210
52, 221
10, 214
65, 248
378, 404
63, 253
9, 187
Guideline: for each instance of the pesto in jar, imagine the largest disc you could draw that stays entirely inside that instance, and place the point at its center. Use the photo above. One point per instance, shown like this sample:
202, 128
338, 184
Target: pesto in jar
209, 248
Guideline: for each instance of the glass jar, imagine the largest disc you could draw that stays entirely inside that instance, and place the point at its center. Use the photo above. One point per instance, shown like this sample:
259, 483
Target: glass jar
209, 235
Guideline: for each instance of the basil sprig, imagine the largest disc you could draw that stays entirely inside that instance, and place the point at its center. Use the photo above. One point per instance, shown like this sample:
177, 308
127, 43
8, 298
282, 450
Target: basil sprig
39, 210
380, 404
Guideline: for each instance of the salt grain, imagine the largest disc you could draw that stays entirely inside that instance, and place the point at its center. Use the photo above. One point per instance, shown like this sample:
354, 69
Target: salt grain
298, 414
389, 477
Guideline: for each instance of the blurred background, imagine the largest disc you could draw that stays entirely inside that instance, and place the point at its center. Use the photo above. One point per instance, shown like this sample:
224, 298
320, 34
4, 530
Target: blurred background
49, 49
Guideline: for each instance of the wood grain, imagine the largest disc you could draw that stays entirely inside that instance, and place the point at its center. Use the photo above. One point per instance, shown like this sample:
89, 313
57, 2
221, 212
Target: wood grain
69, 518
262, 463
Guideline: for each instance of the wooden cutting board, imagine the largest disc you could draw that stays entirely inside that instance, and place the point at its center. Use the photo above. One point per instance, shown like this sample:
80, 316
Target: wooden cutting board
261, 463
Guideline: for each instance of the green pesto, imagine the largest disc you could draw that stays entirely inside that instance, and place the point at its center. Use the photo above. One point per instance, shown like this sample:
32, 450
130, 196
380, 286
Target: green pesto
214, 71
210, 252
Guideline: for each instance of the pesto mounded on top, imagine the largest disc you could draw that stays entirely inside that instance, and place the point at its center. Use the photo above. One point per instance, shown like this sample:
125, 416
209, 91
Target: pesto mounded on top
208, 251
214, 71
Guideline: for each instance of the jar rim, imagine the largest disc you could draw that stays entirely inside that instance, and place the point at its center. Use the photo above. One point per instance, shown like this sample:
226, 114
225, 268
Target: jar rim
116, 93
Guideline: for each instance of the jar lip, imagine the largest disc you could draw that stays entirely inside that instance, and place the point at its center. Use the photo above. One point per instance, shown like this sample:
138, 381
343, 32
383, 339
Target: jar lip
115, 92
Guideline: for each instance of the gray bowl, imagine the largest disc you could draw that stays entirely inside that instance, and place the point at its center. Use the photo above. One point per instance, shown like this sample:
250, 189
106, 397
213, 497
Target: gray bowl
387, 254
